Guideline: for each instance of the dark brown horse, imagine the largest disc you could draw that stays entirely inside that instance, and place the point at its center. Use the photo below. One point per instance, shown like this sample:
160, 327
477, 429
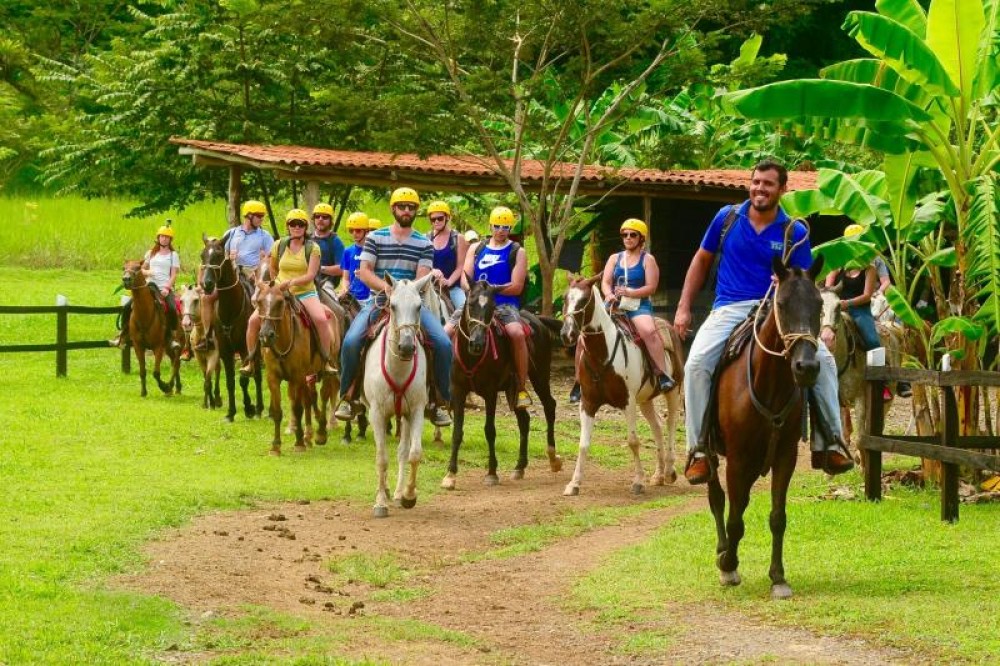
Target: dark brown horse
351, 307
760, 417
484, 364
291, 355
148, 329
232, 311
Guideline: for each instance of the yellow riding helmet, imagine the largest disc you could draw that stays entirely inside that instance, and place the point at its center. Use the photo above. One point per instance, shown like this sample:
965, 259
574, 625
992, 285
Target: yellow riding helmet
374, 224
439, 207
853, 230
632, 224
253, 207
501, 216
404, 195
297, 214
165, 230
323, 209
357, 221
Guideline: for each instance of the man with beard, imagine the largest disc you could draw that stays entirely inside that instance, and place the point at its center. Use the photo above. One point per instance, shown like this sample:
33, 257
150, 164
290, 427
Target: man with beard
405, 254
746, 236
331, 248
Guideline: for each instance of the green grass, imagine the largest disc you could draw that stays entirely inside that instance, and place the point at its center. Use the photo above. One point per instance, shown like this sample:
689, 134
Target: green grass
890, 572
379, 570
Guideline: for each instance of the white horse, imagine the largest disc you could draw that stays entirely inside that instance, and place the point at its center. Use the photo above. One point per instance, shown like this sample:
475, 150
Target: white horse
395, 384
612, 371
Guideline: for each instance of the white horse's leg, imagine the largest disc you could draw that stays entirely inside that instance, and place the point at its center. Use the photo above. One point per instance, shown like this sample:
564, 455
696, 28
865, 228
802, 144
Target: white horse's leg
662, 452
586, 432
402, 455
409, 499
381, 509
639, 475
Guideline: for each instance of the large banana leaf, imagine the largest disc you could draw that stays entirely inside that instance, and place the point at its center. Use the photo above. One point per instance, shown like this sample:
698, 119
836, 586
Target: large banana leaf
824, 99
907, 12
988, 73
901, 184
981, 237
928, 215
961, 325
803, 203
901, 49
845, 253
902, 308
953, 31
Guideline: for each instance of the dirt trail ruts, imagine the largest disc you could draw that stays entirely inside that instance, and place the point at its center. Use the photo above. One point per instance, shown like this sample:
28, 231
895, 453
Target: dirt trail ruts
274, 556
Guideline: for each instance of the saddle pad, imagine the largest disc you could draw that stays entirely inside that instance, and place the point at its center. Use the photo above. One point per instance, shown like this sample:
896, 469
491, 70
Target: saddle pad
742, 334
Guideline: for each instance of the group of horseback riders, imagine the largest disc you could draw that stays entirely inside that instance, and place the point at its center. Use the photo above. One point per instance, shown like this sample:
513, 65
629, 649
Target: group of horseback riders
741, 241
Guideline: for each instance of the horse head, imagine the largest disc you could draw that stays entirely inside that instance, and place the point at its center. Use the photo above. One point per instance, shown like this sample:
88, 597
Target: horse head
830, 316
270, 309
190, 300
578, 308
404, 314
478, 313
797, 310
132, 277
213, 256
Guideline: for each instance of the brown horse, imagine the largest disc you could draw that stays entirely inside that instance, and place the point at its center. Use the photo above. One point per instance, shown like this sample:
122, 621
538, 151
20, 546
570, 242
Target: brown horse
208, 360
148, 329
291, 355
232, 311
484, 363
760, 416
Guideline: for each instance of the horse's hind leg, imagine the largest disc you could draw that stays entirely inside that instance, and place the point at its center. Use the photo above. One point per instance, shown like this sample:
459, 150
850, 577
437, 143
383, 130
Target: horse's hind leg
782, 471
381, 508
458, 396
639, 475
523, 428
540, 374
165, 387
586, 431
664, 456
490, 430
140, 357
298, 395
717, 503
414, 450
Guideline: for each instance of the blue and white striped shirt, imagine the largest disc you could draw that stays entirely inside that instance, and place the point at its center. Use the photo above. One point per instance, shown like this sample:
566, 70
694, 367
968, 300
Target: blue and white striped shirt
399, 259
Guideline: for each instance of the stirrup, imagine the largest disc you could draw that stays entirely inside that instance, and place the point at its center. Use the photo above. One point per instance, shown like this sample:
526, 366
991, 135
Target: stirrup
523, 400
247, 369
665, 383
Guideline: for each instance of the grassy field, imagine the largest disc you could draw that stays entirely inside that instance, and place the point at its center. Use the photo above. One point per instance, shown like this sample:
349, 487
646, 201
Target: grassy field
91, 472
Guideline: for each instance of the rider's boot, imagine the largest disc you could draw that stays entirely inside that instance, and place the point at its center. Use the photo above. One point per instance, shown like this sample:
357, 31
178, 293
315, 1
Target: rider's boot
665, 382
328, 367
346, 410
698, 470
834, 460
437, 414
206, 342
247, 369
575, 394
523, 399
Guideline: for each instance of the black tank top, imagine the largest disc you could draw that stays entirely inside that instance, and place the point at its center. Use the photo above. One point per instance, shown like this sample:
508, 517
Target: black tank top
853, 286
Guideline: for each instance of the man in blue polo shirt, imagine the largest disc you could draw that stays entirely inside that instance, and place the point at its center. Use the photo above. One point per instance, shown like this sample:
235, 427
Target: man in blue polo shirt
755, 236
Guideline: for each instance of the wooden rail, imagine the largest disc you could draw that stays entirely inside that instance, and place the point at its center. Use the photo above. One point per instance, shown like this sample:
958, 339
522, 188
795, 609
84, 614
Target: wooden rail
948, 447
62, 345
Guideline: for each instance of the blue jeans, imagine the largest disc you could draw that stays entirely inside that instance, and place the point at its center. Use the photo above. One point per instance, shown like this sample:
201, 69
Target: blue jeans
457, 295
706, 350
350, 350
862, 316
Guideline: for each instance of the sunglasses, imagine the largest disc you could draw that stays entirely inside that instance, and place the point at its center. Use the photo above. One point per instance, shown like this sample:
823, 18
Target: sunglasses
322, 216
630, 234
297, 224
406, 206
438, 218
502, 227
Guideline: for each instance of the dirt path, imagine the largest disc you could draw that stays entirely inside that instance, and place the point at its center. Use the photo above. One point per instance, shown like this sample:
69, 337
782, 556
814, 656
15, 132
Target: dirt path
274, 557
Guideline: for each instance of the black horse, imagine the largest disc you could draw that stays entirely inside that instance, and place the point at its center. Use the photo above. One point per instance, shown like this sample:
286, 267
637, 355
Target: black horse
484, 364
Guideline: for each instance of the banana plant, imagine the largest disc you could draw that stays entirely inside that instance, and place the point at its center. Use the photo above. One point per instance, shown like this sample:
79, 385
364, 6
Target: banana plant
926, 98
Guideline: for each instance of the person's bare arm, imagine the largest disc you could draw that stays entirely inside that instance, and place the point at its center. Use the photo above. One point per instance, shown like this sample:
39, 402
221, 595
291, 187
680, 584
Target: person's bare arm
367, 275
518, 275
697, 273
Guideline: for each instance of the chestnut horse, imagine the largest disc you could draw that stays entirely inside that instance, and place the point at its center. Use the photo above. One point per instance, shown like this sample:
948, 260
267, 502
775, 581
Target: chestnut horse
147, 328
484, 364
760, 418
290, 355
612, 371
232, 311
208, 360
351, 307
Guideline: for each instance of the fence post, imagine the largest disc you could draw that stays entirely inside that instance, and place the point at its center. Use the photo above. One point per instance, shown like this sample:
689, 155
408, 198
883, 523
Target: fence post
949, 471
874, 426
126, 349
62, 325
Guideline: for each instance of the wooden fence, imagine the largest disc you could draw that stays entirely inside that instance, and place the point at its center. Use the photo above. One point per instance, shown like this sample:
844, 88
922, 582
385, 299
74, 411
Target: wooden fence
948, 447
62, 309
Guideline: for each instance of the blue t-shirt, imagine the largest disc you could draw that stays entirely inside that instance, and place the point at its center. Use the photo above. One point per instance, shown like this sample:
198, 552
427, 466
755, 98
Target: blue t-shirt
745, 267
331, 250
350, 262
249, 246
496, 267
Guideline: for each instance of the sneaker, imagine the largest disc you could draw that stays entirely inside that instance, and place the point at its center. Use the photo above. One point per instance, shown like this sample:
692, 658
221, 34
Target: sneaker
523, 400
698, 471
575, 394
903, 390
330, 371
832, 462
345, 412
175, 346
117, 341
886, 394
665, 383
440, 418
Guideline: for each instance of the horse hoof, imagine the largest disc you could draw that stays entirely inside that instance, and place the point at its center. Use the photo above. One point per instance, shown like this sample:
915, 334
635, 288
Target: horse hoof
656, 480
448, 482
730, 578
638, 489
320, 440
491, 480
380, 512
230, 418
517, 475
780, 591
300, 448
571, 491
274, 451
408, 502
672, 479
555, 463
345, 441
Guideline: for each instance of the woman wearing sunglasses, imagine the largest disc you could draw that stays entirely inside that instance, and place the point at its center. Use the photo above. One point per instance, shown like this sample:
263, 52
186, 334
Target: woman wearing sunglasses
630, 278
295, 261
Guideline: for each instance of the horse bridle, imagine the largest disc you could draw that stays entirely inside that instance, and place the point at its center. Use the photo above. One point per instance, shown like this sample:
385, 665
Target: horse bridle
395, 330
270, 317
788, 340
218, 268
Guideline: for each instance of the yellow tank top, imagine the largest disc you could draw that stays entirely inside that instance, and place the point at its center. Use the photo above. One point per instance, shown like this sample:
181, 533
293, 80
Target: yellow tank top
293, 265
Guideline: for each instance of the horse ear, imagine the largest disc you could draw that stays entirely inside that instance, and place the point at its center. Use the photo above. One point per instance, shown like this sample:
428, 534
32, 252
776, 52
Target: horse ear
778, 267
388, 279
837, 288
204, 238
816, 267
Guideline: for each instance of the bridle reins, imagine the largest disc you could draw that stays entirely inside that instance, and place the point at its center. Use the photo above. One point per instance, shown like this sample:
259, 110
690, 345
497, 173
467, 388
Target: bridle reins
277, 318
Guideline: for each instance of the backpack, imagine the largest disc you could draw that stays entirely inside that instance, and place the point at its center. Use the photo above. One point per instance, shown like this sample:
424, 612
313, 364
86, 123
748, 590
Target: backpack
283, 245
727, 223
